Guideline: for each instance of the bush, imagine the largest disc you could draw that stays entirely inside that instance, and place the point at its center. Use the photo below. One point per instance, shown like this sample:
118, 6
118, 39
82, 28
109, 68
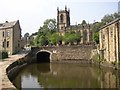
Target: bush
4, 55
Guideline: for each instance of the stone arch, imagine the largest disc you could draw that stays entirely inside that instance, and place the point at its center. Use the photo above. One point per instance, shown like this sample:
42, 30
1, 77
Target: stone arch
43, 56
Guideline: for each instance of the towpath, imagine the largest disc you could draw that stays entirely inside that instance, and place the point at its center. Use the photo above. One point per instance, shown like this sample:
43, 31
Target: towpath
4, 81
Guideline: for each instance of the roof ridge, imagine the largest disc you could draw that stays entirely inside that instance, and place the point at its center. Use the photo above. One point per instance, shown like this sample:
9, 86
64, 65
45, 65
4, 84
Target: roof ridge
8, 24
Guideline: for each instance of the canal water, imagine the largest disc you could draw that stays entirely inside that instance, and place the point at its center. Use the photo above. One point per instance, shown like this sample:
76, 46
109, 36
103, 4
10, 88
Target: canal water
66, 75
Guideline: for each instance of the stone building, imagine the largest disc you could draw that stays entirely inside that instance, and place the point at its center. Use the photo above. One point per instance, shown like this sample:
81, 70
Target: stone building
63, 26
10, 36
110, 41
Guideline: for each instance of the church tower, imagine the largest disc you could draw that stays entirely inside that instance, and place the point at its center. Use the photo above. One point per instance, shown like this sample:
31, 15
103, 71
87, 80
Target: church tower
63, 20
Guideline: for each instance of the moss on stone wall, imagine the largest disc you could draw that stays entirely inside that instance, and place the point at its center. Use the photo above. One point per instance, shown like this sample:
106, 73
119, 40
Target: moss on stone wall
96, 58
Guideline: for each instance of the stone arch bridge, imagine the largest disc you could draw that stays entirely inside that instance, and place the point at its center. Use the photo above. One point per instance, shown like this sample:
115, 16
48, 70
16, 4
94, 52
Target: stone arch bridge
57, 53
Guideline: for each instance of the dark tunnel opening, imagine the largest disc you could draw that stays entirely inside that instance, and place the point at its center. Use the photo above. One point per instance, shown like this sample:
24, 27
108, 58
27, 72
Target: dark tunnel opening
43, 57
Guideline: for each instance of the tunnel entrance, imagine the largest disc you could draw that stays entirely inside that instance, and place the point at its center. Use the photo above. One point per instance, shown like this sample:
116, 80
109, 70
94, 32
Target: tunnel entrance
43, 57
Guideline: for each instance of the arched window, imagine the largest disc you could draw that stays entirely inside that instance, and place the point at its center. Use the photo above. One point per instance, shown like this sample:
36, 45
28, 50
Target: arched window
3, 34
85, 35
61, 18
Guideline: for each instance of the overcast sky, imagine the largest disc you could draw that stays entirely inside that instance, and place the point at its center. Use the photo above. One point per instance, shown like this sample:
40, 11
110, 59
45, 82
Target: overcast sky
32, 13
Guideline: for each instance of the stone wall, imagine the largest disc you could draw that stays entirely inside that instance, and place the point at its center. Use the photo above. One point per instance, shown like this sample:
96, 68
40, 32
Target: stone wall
66, 52
109, 42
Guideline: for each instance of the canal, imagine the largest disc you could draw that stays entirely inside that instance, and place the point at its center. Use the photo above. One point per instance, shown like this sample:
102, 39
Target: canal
66, 75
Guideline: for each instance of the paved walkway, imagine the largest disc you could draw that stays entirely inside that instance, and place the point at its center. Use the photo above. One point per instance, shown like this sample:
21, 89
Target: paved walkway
4, 81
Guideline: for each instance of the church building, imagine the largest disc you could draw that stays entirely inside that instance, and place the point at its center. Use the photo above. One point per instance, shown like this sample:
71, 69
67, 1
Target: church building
63, 26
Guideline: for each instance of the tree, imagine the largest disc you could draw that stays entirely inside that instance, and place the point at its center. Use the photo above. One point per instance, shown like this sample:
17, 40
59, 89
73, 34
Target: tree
36, 41
83, 22
43, 40
78, 37
109, 17
115, 15
95, 30
106, 19
54, 38
49, 26
96, 37
71, 37
45, 33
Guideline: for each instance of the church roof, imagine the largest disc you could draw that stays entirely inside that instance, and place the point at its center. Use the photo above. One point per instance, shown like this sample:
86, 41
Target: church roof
7, 24
79, 26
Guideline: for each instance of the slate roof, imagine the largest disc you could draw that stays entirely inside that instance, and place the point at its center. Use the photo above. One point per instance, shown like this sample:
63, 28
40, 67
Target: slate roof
7, 24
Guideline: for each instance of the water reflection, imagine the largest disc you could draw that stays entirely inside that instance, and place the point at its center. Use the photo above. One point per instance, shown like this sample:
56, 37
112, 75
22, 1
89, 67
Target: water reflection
66, 76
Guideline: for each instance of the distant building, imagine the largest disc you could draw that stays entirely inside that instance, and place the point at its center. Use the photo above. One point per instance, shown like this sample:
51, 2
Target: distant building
10, 36
25, 40
63, 26
32, 38
110, 41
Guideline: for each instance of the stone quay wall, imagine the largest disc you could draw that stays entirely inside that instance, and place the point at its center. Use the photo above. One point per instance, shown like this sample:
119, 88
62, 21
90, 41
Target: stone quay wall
7, 66
58, 53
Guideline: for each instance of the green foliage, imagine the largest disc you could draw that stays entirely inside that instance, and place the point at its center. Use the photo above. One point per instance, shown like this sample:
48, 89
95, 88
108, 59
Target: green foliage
45, 33
49, 26
109, 17
83, 22
71, 37
35, 41
54, 38
106, 19
4, 55
96, 37
43, 40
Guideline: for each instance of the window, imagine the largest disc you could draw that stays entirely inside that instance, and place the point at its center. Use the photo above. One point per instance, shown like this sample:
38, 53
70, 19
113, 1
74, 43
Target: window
7, 44
61, 18
8, 33
111, 33
61, 27
3, 44
103, 41
3, 34
103, 37
18, 45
